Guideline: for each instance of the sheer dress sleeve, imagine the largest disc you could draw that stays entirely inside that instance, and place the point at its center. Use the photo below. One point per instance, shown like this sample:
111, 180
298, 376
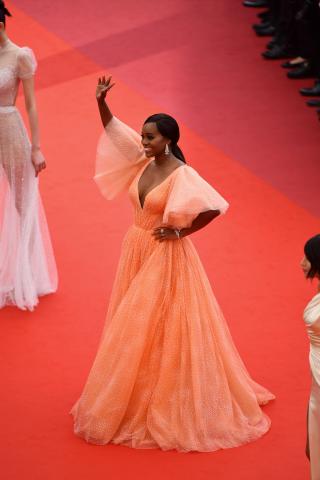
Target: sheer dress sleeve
27, 63
190, 195
120, 156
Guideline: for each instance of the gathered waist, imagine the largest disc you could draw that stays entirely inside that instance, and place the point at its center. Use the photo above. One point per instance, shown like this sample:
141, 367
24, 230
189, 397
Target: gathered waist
142, 227
315, 349
8, 108
314, 340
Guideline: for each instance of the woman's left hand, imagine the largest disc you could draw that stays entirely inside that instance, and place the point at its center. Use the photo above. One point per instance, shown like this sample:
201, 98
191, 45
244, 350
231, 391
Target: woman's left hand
164, 233
38, 160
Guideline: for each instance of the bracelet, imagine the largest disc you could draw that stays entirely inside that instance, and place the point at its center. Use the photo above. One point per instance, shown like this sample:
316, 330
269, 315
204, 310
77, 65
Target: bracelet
35, 147
177, 232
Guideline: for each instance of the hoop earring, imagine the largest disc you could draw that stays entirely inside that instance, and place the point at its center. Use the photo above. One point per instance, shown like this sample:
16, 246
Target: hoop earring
167, 150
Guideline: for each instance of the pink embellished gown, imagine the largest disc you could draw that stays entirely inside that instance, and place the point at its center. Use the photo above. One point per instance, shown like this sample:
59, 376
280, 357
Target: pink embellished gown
167, 373
27, 265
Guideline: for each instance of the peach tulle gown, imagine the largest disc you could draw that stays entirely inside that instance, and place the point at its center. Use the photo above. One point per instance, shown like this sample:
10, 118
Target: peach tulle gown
27, 264
167, 373
312, 320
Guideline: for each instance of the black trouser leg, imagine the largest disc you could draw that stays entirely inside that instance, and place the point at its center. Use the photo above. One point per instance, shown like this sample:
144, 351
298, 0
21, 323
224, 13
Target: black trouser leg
309, 37
286, 26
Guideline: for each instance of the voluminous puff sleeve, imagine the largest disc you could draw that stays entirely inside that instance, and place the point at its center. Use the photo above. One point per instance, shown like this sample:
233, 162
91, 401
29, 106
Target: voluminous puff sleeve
120, 155
189, 196
27, 63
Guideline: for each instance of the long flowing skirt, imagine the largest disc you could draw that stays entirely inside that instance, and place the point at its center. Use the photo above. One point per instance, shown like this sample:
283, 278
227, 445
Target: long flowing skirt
167, 373
27, 265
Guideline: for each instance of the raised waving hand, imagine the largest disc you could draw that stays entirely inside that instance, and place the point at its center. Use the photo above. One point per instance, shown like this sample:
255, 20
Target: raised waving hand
103, 87
101, 91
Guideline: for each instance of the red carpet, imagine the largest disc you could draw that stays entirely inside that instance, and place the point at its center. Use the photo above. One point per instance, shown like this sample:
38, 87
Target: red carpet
251, 255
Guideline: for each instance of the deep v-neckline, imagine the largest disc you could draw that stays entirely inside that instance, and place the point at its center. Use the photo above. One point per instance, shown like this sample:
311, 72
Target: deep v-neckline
155, 187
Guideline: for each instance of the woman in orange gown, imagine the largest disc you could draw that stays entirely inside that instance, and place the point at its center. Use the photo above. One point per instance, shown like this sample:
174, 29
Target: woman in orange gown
167, 373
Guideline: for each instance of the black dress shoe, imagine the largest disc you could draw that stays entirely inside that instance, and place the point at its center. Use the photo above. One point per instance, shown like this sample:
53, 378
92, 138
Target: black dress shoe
291, 65
264, 15
276, 53
313, 91
266, 32
271, 44
255, 3
314, 102
261, 26
304, 71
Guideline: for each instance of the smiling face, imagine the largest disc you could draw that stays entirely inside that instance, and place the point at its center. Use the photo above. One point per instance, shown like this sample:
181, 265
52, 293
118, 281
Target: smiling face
153, 142
305, 266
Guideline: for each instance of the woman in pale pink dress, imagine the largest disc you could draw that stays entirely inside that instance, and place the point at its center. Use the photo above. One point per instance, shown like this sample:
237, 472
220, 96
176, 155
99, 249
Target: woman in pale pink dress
27, 265
167, 373
311, 267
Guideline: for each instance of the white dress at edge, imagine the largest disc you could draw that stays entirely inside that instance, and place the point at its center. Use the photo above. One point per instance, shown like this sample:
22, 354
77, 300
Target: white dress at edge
27, 265
312, 320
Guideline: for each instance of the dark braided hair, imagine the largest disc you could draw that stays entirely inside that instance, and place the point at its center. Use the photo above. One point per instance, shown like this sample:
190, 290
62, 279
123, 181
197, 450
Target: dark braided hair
4, 12
312, 252
169, 128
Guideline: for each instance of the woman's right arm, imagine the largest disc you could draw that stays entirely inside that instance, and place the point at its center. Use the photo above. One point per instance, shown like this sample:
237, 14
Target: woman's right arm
120, 154
101, 91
